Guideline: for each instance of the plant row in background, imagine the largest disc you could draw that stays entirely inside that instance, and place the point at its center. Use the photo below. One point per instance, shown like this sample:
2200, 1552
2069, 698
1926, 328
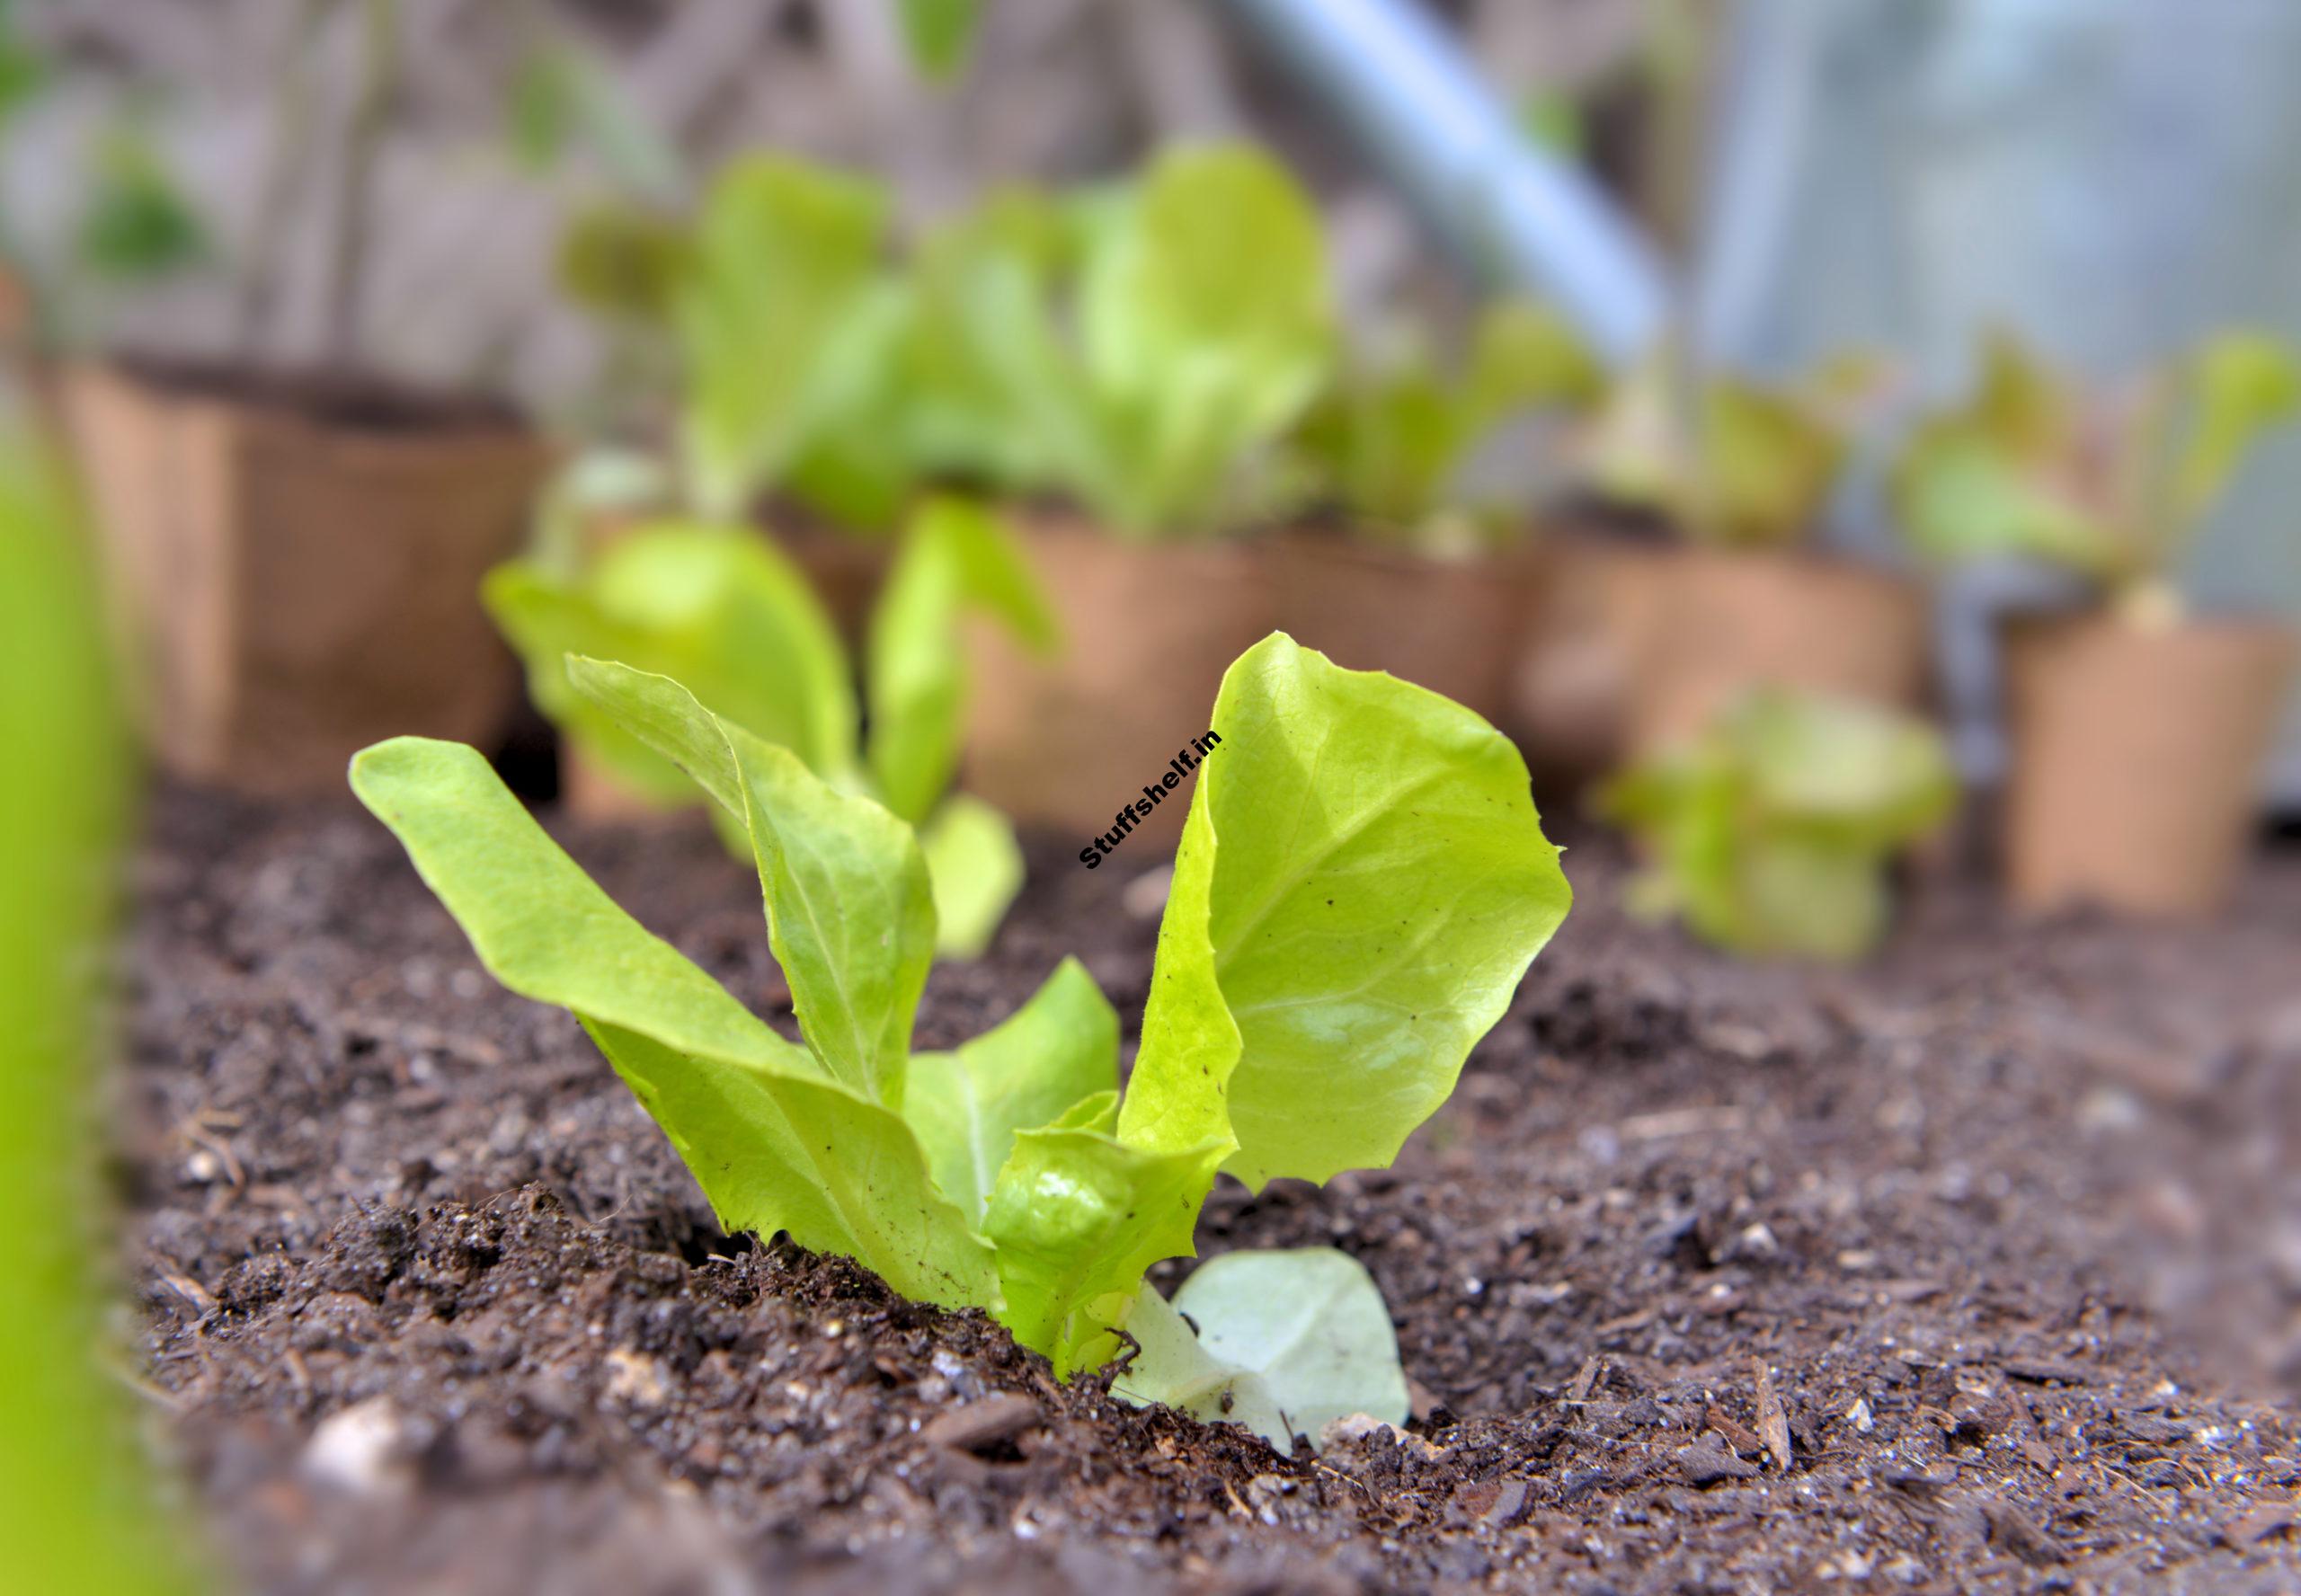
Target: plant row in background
1141, 400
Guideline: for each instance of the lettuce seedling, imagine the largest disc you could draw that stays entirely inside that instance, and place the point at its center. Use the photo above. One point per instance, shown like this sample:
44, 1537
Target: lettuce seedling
1202, 328
1362, 883
785, 310
1770, 832
725, 611
2113, 486
1730, 462
1392, 446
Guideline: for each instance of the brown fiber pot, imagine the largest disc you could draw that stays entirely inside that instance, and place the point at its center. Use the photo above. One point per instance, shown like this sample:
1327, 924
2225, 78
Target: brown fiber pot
1594, 607
2137, 757
846, 573
1148, 631
1730, 621
292, 587
1451, 626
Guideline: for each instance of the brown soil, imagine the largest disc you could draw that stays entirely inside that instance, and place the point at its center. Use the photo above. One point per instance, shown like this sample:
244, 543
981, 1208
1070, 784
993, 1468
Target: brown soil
2007, 1223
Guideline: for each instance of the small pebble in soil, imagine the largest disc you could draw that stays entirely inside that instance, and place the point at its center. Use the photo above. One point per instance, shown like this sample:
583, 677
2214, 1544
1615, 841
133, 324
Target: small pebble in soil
1710, 1460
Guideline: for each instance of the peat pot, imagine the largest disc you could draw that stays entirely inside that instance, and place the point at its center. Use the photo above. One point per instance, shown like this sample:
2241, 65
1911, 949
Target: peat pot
1593, 608
847, 572
1729, 621
293, 583
1449, 624
2137, 754
1148, 630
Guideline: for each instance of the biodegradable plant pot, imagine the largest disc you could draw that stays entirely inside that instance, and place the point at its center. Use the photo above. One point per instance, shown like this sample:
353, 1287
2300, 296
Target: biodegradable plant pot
1451, 626
1594, 607
294, 583
1729, 621
1148, 631
2137, 757
847, 572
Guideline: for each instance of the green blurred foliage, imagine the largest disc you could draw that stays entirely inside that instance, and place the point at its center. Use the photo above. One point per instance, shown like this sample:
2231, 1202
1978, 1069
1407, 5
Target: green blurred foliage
2112, 483
1770, 832
77, 1512
941, 34
785, 314
719, 608
136, 224
1388, 447
1729, 461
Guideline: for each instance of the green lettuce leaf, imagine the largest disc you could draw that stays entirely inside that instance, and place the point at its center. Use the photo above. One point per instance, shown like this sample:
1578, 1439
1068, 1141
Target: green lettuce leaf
1205, 328
1309, 1322
775, 1142
975, 866
1362, 883
957, 556
778, 317
1770, 832
1284, 1342
1171, 1365
1058, 1050
2110, 484
850, 912
2237, 386
1077, 1215
718, 608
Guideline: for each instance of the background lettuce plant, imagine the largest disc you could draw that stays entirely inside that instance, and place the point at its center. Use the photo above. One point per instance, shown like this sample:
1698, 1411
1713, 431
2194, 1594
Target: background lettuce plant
1770, 832
1361, 884
1730, 462
1164, 368
732, 614
2110, 484
1391, 445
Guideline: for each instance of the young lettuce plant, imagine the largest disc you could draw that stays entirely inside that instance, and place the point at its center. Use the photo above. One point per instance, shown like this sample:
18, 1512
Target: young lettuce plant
730, 614
1730, 462
1204, 329
1770, 832
2113, 487
1362, 883
1393, 448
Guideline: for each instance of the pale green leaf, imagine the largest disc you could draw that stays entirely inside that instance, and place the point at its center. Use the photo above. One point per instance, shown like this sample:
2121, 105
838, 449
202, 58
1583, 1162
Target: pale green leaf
1057, 1051
1170, 1365
2236, 387
543, 927
775, 1143
783, 298
1362, 883
719, 609
1527, 357
1961, 497
1770, 832
2020, 407
850, 912
975, 866
957, 556
1309, 1324
1205, 323
1767, 462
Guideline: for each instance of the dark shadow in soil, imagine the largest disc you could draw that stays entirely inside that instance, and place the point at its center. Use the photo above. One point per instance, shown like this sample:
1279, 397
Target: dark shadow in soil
2006, 1224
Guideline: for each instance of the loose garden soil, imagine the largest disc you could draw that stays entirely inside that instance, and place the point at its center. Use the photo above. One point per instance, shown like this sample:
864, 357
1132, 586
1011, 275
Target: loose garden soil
1973, 1270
